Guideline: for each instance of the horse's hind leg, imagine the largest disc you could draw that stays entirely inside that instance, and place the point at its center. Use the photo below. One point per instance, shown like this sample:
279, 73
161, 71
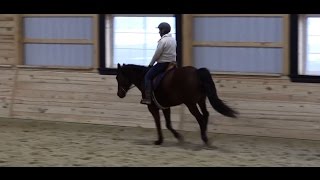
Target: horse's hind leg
156, 115
167, 113
205, 113
196, 113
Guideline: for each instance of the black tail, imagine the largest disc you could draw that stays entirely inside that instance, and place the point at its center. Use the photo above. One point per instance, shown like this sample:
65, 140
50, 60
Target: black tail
211, 92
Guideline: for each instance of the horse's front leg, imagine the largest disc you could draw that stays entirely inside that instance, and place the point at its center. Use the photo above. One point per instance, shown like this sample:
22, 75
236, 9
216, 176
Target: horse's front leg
155, 113
167, 116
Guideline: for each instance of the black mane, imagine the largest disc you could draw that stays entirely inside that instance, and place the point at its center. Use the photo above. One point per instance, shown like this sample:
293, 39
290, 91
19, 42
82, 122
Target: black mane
132, 69
134, 66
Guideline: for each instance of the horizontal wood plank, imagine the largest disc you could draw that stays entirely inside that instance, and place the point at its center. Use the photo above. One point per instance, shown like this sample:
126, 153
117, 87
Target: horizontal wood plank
239, 44
47, 110
88, 104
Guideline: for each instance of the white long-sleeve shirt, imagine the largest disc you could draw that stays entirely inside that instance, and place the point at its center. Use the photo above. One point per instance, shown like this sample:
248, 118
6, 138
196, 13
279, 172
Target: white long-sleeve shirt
166, 50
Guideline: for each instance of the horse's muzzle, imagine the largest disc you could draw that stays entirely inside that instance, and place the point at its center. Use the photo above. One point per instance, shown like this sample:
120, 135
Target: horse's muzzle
121, 93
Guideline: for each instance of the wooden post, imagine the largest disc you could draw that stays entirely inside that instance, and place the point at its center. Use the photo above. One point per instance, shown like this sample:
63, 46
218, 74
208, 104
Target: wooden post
18, 39
187, 39
95, 42
187, 52
286, 34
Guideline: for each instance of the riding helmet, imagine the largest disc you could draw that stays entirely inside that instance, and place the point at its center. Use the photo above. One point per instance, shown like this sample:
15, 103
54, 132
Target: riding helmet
165, 27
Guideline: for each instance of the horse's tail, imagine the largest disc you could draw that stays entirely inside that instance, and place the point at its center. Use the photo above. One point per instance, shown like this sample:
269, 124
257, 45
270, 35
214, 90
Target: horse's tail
211, 92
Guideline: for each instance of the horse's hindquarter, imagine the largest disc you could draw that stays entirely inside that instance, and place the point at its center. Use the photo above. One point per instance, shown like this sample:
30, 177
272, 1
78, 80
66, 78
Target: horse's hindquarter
186, 81
178, 85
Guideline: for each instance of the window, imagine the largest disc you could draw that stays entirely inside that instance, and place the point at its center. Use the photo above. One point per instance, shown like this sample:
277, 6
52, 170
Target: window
59, 40
309, 40
304, 48
240, 43
132, 39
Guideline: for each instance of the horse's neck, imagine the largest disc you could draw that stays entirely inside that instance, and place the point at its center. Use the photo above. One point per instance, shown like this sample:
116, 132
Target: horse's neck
138, 84
137, 79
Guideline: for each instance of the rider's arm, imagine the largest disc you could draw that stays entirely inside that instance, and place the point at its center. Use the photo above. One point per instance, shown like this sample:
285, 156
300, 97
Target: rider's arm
158, 53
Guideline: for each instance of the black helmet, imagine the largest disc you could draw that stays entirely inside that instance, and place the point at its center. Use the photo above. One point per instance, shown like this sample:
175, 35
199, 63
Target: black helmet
165, 27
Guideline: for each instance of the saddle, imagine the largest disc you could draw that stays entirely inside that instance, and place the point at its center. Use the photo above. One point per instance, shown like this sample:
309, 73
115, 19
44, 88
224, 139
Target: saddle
156, 81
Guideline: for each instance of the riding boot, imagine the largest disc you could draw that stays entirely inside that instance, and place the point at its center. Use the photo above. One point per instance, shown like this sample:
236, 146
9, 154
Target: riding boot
147, 95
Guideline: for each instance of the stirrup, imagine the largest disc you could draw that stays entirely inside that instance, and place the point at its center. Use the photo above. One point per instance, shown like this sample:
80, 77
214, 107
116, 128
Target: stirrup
145, 101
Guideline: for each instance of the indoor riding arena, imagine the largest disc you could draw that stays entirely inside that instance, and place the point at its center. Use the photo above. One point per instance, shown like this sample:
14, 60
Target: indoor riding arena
59, 104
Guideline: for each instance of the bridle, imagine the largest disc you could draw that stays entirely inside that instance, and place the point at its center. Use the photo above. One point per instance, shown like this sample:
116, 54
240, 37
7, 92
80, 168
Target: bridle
125, 91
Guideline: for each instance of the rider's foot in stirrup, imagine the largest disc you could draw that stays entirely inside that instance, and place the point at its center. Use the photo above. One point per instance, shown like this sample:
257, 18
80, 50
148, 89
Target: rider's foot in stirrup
145, 101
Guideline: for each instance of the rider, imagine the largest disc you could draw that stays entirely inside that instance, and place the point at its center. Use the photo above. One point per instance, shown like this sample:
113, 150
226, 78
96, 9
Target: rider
164, 55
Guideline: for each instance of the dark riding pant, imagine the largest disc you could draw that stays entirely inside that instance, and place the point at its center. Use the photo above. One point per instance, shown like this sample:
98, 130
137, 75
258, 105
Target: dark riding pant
153, 72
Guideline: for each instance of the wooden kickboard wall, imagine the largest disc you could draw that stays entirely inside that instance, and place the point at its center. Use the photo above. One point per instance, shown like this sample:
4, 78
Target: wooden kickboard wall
268, 106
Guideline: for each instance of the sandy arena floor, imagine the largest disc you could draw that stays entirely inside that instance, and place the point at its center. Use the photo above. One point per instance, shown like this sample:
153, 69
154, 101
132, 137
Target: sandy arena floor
41, 143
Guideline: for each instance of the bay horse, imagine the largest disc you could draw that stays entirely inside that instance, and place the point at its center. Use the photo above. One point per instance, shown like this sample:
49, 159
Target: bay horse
182, 85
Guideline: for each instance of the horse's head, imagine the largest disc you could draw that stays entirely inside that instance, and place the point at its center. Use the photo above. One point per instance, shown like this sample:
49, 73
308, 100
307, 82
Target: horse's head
124, 82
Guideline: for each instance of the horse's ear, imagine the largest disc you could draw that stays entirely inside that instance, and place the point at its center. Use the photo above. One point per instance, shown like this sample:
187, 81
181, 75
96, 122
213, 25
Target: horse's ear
119, 66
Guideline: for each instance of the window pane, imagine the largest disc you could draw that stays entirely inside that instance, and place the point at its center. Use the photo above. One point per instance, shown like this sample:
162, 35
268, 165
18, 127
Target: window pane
239, 59
313, 64
313, 44
129, 56
313, 25
59, 53
76, 55
128, 24
238, 29
136, 38
152, 40
58, 27
312, 53
149, 55
129, 40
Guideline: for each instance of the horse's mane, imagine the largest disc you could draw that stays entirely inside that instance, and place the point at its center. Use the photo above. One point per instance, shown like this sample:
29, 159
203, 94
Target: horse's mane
133, 68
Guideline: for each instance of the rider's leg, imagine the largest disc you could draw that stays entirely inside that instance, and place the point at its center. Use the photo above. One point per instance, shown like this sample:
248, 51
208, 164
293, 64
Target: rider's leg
151, 74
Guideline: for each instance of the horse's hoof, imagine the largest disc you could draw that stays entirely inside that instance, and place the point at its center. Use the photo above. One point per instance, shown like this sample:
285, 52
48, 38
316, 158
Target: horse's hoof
209, 146
180, 140
159, 142
208, 143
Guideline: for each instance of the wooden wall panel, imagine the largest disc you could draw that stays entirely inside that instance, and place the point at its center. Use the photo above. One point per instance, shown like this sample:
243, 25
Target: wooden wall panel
8, 39
6, 90
269, 106
79, 97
